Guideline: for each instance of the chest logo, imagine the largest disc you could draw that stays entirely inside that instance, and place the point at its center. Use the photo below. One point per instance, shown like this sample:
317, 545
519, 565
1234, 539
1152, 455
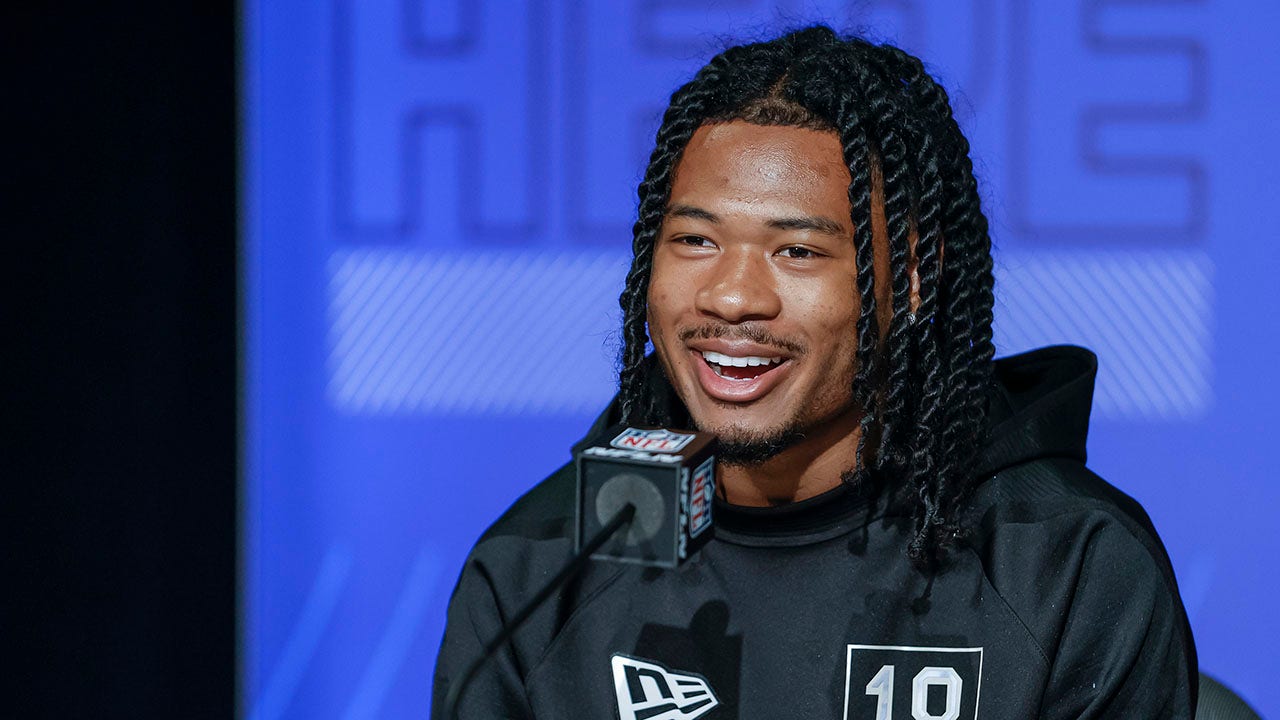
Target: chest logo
649, 691
890, 682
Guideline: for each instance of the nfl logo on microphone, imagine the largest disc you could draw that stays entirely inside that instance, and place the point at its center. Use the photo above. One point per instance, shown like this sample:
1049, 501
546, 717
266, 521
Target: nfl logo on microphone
653, 440
701, 493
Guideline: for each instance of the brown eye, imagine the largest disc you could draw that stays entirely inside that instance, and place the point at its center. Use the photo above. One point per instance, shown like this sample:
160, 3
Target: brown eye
692, 241
797, 252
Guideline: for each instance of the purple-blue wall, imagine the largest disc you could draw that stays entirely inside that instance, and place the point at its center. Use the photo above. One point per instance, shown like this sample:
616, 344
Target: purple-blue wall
436, 210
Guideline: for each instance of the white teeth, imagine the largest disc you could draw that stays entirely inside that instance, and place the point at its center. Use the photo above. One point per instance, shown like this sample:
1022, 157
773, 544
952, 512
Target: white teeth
721, 359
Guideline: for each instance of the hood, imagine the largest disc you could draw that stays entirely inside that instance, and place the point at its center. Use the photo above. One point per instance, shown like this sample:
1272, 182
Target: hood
1040, 403
1040, 407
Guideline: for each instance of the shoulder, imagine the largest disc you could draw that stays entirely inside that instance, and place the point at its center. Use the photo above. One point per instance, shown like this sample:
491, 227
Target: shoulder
1073, 555
534, 534
545, 512
1064, 509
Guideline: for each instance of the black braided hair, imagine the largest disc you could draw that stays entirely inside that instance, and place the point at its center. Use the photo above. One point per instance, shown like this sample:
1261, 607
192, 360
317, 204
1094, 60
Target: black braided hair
922, 381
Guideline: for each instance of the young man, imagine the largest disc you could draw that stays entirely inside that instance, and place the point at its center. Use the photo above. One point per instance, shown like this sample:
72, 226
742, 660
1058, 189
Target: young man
904, 528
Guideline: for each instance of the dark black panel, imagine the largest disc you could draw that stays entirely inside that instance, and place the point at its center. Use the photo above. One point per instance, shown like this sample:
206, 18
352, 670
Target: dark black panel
121, 229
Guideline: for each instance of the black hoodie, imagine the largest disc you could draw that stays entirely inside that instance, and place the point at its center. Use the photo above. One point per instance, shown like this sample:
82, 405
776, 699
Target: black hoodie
1060, 603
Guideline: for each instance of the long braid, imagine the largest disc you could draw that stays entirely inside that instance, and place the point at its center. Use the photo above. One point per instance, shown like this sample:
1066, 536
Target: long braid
900, 195
971, 288
856, 151
979, 351
926, 450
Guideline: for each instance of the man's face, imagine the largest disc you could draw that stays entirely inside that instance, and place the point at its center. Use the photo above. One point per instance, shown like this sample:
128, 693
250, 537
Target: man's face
755, 266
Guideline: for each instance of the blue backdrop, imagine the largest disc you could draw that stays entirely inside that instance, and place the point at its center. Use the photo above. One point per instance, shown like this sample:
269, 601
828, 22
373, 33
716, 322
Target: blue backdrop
436, 210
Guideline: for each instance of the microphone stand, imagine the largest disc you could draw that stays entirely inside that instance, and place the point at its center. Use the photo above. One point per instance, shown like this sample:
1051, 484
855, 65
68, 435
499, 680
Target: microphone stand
623, 517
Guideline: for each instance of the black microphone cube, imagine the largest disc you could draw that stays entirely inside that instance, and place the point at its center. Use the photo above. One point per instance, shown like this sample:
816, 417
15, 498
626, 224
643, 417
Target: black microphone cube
670, 477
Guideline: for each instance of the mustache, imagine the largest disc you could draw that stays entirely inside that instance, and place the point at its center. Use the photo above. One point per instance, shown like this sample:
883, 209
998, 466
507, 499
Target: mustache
746, 331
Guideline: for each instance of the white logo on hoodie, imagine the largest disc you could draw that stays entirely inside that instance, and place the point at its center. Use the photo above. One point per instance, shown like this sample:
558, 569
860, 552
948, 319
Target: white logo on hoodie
660, 694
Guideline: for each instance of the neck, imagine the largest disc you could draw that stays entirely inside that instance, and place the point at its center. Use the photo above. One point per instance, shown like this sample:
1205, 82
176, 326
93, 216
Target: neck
808, 468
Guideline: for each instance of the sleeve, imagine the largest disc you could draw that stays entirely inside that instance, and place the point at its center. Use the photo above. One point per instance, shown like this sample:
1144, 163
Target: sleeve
1125, 649
473, 620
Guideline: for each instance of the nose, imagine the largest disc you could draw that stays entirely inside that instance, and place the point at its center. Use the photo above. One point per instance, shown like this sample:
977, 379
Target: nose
739, 287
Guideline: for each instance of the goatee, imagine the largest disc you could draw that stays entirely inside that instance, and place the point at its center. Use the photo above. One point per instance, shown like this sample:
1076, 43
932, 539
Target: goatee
752, 452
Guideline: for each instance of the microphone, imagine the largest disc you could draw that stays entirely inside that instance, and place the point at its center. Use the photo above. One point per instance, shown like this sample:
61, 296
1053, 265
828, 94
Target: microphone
669, 476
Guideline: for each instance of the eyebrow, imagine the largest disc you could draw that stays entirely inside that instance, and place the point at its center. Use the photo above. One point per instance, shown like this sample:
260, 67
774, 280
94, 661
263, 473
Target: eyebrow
815, 223
695, 213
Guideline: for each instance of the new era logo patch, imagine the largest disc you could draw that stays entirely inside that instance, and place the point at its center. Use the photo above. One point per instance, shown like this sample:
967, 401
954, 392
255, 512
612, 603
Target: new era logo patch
649, 691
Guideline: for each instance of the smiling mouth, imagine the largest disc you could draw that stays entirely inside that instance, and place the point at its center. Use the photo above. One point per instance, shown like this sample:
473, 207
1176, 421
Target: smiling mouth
748, 367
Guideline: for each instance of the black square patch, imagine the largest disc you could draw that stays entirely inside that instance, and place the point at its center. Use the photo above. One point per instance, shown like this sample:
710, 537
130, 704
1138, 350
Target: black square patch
888, 682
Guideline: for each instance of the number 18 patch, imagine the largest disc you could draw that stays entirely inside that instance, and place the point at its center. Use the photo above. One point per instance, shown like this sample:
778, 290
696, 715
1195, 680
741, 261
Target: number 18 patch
888, 682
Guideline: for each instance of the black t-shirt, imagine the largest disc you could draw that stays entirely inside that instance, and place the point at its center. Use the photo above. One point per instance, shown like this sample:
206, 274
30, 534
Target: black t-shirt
1060, 603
